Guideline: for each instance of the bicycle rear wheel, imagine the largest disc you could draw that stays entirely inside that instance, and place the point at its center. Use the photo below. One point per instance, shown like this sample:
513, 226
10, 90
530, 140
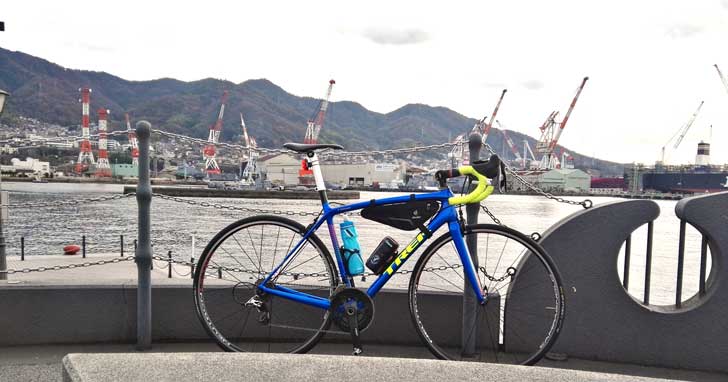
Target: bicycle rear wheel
237, 260
524, 308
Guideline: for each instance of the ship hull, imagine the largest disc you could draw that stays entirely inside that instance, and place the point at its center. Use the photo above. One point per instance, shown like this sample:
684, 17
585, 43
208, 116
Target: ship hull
686, 182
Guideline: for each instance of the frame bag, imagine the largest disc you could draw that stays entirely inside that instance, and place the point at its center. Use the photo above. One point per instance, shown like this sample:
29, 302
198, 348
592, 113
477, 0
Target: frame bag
408, 216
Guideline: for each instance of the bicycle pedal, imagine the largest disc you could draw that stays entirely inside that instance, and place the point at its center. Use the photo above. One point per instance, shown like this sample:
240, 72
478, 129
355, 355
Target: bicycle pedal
357, 351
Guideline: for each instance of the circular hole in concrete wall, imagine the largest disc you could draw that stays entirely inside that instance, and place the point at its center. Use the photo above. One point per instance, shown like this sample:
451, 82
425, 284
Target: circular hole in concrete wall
664, 266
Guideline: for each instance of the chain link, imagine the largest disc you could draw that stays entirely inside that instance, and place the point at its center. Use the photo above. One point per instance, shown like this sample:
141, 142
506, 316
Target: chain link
68, 266
492, 216
72, 202
326, 153
509, 273
233, 208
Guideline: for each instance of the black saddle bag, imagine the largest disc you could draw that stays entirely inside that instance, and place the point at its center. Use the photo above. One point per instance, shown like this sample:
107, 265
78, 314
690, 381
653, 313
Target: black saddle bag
408, 216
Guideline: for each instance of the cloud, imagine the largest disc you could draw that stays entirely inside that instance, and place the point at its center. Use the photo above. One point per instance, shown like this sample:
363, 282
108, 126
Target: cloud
683, 31
532, 84
391, 36
494, 85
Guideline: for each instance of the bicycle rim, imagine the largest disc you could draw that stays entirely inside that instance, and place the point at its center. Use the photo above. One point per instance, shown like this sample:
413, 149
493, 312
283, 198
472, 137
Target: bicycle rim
524, 308
232, 265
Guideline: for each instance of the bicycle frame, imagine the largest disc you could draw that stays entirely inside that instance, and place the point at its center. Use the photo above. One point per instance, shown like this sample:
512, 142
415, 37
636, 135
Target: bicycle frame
446, 215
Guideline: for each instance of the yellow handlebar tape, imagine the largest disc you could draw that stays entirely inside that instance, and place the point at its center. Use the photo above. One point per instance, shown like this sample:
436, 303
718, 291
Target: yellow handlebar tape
481, 191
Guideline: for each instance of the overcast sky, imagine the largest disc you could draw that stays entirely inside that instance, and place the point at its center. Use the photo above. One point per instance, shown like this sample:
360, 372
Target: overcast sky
650, 63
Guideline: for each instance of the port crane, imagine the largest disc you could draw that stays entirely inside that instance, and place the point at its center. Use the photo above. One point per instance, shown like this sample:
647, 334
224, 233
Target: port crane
313, 128
316, 122
551, 132
526, 151
457, 154
133, 142
682, 131
250, 171
722, 77
210, 151
509, 142
484, 128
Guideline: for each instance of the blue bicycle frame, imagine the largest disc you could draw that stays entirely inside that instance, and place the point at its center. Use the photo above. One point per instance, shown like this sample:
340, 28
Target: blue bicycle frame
446, 215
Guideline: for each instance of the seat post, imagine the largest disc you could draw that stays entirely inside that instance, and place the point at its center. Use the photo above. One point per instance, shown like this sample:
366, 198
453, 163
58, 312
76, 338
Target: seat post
314, 165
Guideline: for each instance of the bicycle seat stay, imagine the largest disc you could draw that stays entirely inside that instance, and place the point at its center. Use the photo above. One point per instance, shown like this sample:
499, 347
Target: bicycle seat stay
308, 147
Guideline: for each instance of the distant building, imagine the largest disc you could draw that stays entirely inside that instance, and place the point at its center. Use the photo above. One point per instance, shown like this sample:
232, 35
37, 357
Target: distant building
565, 180
283, 169
124, 170
29, 166
7, 149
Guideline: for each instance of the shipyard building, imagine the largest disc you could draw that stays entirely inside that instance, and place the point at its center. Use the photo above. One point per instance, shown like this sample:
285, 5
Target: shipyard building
283, 169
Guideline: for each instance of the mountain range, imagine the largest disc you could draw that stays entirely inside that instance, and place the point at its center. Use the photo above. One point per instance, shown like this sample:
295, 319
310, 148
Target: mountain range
48, 92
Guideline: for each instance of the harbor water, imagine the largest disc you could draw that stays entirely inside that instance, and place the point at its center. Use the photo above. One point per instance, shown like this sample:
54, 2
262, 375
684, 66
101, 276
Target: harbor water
174, 225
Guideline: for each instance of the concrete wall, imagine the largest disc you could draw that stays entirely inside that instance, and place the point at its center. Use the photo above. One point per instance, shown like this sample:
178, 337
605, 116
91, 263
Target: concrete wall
107, 313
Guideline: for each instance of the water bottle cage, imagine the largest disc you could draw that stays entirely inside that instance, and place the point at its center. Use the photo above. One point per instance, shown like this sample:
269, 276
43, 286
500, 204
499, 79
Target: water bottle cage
346, 252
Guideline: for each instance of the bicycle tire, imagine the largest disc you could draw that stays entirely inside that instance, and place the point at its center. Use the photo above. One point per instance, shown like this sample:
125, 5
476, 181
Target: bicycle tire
511, 340
219, 269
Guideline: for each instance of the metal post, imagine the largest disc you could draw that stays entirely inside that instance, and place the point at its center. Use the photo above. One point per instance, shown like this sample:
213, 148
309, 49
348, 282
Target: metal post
627, 253
703, 258
648, 262
83, 246
143, 256
3, 259
169, 265
3, 196
22, 248
121, 242
470, 302
680, 262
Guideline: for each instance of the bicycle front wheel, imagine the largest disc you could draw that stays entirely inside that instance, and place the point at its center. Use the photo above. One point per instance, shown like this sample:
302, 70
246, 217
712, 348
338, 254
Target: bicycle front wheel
237, 260
524, 306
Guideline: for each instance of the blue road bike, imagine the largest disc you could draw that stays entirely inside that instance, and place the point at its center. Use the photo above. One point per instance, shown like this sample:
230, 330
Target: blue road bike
479, 292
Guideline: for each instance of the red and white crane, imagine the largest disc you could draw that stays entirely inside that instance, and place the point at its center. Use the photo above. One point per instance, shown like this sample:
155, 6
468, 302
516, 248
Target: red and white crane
459, 154
103, 169
313, 128
210, 151
509, 142
85, 156
316, 122
133, 142
551, 132
482, 126
722, 77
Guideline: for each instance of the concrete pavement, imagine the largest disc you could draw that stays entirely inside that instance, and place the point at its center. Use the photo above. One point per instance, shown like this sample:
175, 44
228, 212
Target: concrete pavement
43, 363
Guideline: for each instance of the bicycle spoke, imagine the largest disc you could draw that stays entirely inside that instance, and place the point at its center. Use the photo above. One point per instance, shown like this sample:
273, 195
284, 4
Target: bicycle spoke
525, 315
257, 241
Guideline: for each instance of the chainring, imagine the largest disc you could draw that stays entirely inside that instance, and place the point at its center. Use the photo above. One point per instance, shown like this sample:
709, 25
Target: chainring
342, 299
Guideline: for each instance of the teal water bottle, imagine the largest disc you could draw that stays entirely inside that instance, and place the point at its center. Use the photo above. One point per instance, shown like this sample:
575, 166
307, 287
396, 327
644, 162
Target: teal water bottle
351, 250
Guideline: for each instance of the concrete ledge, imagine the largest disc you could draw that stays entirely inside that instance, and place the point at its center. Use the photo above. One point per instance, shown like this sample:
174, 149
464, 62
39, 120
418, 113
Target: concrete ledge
303, 367
53, 314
